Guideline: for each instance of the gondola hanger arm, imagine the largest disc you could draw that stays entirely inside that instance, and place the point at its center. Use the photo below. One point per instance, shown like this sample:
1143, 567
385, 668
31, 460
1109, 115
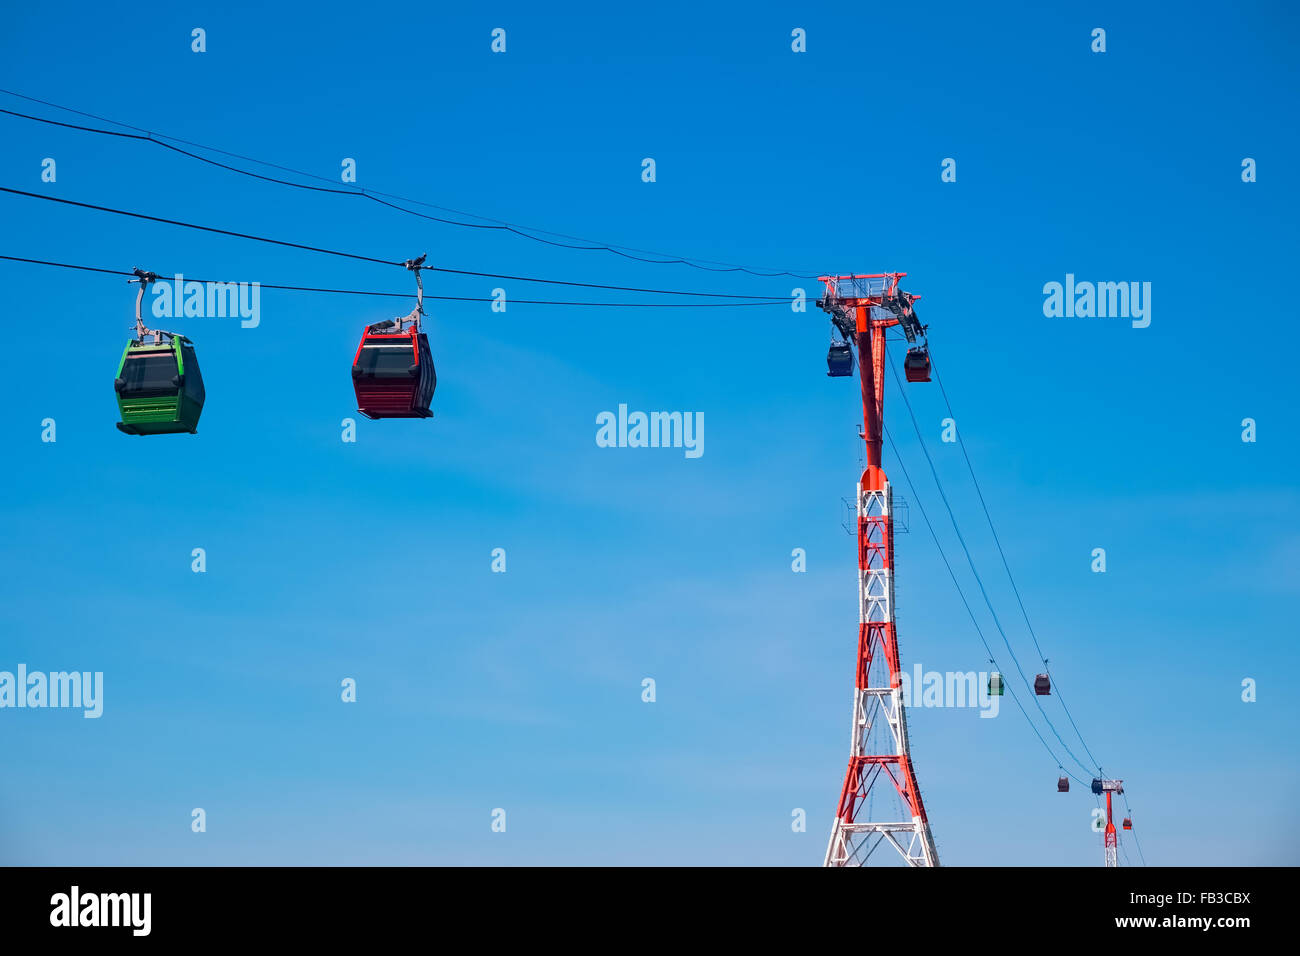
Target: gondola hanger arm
144, 278
415, 265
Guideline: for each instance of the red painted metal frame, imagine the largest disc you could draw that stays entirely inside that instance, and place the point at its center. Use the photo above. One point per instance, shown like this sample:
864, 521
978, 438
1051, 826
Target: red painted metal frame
385, 339
1112, 839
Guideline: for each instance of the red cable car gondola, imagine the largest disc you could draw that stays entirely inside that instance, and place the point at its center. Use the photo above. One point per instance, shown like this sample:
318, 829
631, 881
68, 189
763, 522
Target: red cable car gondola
1063, 785
1042, 685
1128, 823
393, 372
917, 364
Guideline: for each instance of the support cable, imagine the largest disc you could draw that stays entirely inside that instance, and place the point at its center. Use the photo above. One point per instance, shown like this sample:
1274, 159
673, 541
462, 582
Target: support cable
966, 604
526, 232
1056, 688
974, 571
407, 295
386, 262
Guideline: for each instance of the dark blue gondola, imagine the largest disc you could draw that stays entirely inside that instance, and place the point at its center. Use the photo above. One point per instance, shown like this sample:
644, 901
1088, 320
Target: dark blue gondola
839, 360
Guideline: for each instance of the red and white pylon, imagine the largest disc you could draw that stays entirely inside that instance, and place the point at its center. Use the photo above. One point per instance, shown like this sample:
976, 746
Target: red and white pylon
878, 745
1110, 787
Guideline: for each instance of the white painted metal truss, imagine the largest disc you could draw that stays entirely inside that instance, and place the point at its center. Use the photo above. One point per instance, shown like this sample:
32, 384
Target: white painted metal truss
857, 841
852, 844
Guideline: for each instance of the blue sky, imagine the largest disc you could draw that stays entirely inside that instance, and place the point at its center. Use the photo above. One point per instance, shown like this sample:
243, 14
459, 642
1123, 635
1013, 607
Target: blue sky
522, 690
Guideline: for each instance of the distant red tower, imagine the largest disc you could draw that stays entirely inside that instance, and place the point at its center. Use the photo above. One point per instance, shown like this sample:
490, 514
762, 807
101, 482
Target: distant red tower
870, 811
1109, 787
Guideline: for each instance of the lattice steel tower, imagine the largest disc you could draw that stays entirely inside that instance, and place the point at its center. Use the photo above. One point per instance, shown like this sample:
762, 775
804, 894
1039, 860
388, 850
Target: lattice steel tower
1111, 840
862, 307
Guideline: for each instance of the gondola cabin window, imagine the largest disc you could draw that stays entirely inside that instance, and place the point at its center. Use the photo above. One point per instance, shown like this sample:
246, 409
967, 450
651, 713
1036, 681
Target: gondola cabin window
149, 374
387, 358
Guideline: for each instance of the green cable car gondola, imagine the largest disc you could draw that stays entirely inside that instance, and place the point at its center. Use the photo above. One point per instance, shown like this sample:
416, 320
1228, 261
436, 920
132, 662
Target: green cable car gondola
159, 386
